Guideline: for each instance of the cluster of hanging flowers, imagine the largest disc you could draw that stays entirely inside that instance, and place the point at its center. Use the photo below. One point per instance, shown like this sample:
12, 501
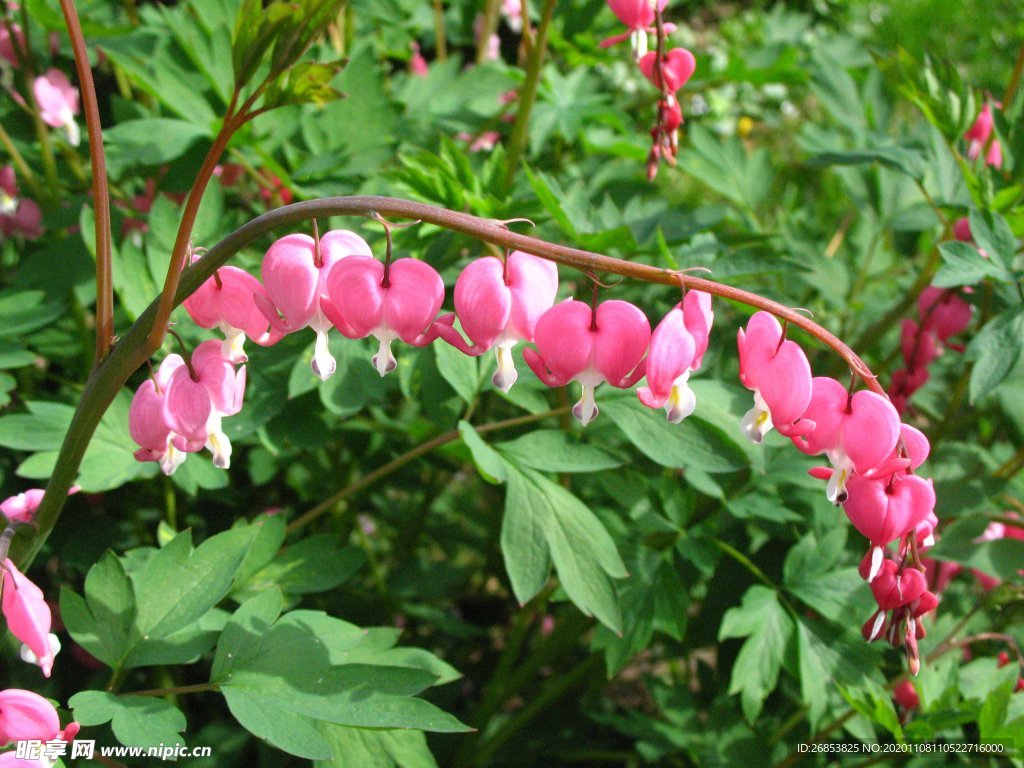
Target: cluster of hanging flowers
668, 71
335, 282
872, 459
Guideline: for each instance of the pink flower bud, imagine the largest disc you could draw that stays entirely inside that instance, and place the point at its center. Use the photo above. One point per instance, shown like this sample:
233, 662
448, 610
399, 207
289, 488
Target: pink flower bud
894, 588
8, 51
576, 343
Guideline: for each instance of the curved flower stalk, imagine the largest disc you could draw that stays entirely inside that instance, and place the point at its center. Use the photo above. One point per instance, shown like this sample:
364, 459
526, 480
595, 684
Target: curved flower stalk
576, 342
499, 304
399, 300
295, 270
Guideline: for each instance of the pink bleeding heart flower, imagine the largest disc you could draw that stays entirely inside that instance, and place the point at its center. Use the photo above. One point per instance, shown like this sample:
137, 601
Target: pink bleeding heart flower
225, 302
780, 376
295, 275
578, 343
638, 16
911, 452
26, 715
677, 347
980, 134
919, 346
677, 66
857, 433
895, 588
397, 301
962, 230
905, 695
58, 103
22, 507
146, 422
417, 64
943, 312
19, 216
886, 510
186, 404
9, 35
226, 388
28, 617
499, 304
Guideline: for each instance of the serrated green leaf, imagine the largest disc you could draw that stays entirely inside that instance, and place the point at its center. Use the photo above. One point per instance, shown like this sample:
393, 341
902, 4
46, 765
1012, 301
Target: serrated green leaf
993, 235
102, 622
994, 352
768, 628
963, 265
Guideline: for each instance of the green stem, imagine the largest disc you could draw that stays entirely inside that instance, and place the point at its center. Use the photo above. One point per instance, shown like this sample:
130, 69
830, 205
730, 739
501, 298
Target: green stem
440, 38
746, 562
487, 28
24, 170
528, 93
1011, 87
176, 690
135, 346
100, 193
400, 461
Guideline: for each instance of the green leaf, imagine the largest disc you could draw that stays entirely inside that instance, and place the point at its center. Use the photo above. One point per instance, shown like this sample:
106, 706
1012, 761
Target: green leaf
374, 749
314, 564
179, 584
103, 622
488, 462
553, 450
25, 311
137, 721
994, 709
993, 235
543, 520
994, 352
1000, 558
280, 677
902, 159
693, 442
768, 629
963, 265
461, 371
154, 140
41, 429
